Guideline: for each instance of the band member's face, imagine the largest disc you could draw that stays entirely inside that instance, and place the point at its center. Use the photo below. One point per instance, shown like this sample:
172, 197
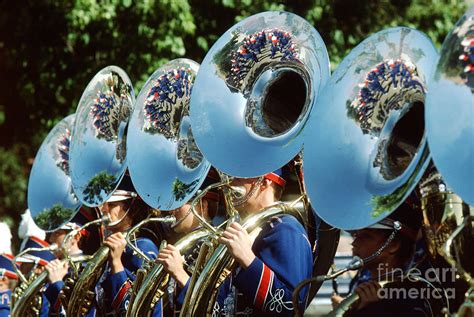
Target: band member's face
4, 283
57, 237
247, 183
115, 210
185, 219
185, 224
367, 242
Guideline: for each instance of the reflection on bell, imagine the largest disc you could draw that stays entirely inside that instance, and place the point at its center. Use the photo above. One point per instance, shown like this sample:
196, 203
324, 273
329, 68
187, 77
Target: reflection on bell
98, 150
53, 205
165, 164
365, 138
450, 110
254, 91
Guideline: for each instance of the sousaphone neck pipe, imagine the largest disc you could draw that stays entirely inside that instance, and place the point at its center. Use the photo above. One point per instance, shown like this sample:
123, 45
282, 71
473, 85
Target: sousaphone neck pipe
131, 232
15, 259
70, 235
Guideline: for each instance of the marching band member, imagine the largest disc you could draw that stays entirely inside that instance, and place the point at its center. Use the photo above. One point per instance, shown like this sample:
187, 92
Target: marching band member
8, 279
35, 262
186, 222
57, 269
390, 265
8, 276
28, 228
270, 265
125, 209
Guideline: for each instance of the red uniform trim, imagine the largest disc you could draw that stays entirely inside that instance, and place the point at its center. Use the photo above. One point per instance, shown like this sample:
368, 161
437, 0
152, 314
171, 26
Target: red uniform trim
121, 294
11, 275
263, 286
276, 179
39, 241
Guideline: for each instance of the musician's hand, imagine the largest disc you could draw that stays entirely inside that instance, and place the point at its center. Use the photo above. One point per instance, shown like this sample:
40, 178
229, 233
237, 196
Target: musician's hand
239, 242
173, 263
367, 293
116, 243
57, 269
335, 300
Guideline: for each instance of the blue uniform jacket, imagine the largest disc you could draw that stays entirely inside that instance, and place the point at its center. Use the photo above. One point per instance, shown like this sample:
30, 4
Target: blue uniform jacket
112, 296
45, 304
5, 299
283, 259
179, 294
5, 302
52, 294
115, 286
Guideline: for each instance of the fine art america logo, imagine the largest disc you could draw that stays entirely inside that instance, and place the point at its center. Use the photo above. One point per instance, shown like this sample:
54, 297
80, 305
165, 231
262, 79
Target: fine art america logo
416, 283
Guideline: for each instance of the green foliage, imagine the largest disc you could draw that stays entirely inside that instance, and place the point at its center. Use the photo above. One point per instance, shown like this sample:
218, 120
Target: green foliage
101, 182
180, 189
54, 217
12, 184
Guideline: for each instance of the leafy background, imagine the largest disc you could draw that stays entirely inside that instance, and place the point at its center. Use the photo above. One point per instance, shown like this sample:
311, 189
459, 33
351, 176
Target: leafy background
50, 49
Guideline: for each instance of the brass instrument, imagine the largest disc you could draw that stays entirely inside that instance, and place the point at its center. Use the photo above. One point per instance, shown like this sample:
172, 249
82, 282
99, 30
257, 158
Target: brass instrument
451, 145
54, 205
155, 280
102, 116
26, 298
347, 303
82, 296
147, 294
344, 306
98, 154
165, 164
255, 90
261, 98
26, 303
28, 292
372, 112
204, 286
448, 224
153, 287
131, 233
147, 263
76, 262
51, 206
447, 190
365, 140
351, 300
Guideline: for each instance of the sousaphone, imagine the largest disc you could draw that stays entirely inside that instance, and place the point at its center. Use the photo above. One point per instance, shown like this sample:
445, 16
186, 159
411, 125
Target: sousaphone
98, 151
450, 109
249, 105
98, 161
51, 198
365, 142
165, 164
254, 92
448, 189
52, 203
